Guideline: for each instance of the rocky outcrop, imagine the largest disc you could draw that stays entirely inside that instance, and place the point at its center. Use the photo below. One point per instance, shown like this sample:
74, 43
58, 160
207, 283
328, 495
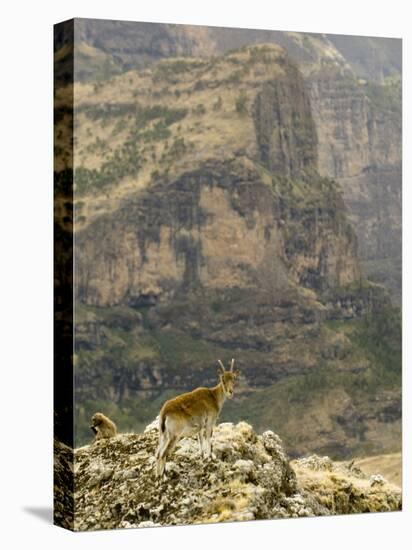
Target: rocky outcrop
63, 485
343, 488
249, 478
219, 227
285, 130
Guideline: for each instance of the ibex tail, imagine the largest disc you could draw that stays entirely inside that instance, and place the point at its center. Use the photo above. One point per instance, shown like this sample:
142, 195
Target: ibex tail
162, 423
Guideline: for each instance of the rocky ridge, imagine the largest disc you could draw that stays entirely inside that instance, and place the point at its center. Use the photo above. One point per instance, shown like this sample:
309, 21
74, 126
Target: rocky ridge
249, 478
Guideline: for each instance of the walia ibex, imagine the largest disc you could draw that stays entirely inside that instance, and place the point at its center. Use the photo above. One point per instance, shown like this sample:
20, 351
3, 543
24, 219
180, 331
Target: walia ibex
193, 413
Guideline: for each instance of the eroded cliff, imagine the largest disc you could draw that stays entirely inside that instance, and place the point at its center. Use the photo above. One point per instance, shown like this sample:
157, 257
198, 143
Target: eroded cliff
354, 86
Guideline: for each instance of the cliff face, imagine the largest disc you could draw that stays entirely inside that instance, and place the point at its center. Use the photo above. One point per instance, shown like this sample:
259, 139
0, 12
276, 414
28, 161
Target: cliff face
261, 216
285, 131
219, 262
359, 130
355, 93
354, 86
219, 227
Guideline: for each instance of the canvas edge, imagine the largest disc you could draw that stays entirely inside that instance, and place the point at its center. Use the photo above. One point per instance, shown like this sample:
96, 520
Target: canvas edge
63, 390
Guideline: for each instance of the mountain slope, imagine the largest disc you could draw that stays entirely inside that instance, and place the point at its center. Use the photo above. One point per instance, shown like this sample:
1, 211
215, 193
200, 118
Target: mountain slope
389, 466
204, 230
355, 93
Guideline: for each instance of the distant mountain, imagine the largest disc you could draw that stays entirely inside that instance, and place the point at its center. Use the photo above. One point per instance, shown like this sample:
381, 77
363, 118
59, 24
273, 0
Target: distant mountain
354, 86
138, 44
371, 58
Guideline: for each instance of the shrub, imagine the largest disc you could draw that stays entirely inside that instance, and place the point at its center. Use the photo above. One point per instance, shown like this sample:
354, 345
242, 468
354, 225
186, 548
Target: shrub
218, 104
241, 103
199, 109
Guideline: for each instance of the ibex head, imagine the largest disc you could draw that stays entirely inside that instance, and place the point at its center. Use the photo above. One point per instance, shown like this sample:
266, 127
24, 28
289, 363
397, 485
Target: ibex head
227, 378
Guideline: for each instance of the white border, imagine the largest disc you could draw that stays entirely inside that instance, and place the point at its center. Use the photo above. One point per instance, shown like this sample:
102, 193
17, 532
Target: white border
26, 268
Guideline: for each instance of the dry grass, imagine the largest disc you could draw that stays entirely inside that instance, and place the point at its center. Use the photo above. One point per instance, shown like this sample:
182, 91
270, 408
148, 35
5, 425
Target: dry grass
209, 133
344, 490
388, 465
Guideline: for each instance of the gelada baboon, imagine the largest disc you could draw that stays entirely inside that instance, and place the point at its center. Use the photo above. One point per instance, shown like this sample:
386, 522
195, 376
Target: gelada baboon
102, 426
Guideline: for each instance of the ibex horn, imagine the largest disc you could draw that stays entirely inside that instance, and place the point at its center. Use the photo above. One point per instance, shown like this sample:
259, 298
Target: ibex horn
232, 365
221, 364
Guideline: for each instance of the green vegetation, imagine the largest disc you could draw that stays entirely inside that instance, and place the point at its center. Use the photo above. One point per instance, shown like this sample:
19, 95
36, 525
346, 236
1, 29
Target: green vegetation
199, 110
178, 349
241, 103
258, 54
387, 97
346, 82
386, 272
149, 124
380, 335
167, 70
305, 204
261, 54
311, 192
178, 147
236, 76
130, 347
107, 110
217, 105
141, 115
279, 407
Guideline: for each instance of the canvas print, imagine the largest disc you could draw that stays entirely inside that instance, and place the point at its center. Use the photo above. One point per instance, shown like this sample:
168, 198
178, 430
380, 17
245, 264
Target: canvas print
227, 274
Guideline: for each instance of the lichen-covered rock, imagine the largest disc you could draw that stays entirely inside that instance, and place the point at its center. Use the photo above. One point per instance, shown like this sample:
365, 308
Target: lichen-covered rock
377, 479
343, 488
63, 486
317, 463
248, 478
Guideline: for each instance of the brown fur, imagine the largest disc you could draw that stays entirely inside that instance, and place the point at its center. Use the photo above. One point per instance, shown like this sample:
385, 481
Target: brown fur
102, 426
193, 413
192, 403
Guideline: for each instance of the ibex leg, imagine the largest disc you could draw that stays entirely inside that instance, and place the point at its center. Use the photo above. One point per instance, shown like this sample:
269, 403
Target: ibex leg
201, 440
166, 452
163, 443
209, 434
161, 453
